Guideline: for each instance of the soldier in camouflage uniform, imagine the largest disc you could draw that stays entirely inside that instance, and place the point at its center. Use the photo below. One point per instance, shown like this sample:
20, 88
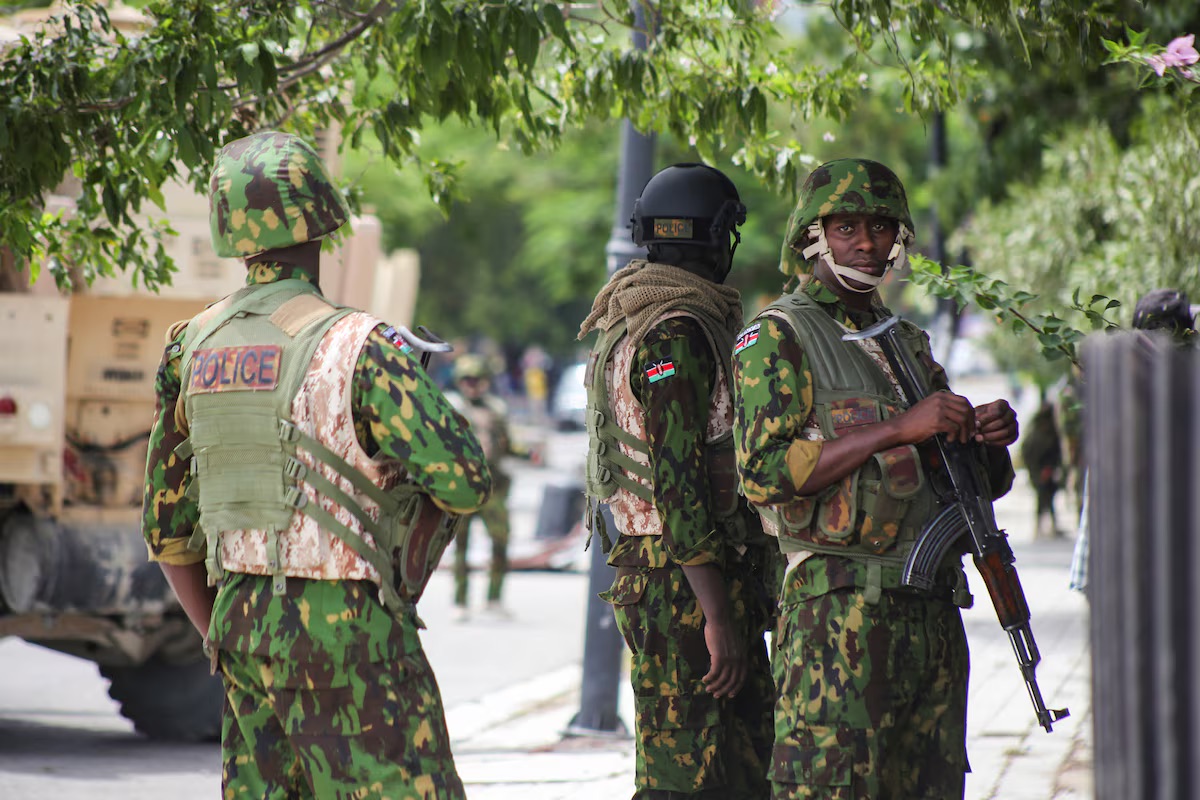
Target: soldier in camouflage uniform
302, 460
488, 416
871, 677
690, 593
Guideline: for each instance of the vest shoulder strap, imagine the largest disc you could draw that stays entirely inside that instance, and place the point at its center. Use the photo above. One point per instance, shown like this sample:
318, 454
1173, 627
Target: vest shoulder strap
256, 298
836, 365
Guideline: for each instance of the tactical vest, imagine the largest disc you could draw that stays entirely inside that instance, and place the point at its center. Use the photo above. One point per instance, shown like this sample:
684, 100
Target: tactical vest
274, 476
875, 513
618, 461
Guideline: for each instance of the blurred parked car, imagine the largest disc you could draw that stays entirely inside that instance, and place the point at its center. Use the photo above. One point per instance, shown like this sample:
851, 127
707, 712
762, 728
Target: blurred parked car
569, 402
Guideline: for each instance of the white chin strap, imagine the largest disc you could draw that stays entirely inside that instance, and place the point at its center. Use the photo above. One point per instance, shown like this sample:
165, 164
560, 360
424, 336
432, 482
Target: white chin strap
820, 247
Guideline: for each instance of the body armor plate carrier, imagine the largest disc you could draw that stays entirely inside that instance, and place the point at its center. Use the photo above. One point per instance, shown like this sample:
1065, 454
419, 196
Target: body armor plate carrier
875, 513
239, 383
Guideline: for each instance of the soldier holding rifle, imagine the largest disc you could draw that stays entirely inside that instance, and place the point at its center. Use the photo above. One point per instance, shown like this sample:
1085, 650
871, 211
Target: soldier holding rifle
871, 670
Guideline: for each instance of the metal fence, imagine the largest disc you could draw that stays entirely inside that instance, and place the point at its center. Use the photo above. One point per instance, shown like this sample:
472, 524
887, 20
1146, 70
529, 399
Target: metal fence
1141, 442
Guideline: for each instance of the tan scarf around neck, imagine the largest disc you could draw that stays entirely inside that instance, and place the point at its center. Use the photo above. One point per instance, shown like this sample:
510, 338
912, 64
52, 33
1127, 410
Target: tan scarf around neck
644, 291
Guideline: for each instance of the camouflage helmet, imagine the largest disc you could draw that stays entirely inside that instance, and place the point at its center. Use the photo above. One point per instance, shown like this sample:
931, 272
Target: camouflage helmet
469, 365
844, 186
271, 190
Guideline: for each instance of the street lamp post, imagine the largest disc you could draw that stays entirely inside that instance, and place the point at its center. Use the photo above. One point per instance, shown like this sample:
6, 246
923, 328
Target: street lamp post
602, 646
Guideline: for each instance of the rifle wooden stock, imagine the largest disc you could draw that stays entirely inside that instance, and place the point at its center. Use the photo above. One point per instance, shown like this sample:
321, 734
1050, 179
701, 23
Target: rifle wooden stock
967, 511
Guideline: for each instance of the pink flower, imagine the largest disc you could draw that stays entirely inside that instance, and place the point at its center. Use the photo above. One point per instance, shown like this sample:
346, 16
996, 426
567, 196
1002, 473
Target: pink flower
1181, 52
1159, 64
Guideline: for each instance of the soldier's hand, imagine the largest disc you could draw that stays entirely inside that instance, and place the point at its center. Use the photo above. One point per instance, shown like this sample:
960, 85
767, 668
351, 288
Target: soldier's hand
940, 412
727, 659
996, 424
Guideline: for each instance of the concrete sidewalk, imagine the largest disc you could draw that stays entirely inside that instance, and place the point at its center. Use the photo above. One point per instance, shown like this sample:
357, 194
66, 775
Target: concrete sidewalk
510, 743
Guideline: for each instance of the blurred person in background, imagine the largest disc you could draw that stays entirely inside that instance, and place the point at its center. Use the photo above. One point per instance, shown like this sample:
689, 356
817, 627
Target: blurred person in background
474, 398
1041, 451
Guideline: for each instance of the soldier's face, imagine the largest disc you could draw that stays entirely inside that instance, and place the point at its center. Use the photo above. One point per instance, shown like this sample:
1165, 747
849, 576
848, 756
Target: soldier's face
472, 386
860, 241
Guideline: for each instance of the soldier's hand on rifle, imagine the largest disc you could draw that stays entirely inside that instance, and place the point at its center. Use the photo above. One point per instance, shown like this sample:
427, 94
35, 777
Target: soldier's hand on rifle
996, 424
940, 412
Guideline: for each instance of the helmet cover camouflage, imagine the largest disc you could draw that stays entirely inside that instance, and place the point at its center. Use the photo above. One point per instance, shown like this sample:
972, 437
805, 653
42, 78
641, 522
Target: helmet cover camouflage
271, 190
470, 365
843, 186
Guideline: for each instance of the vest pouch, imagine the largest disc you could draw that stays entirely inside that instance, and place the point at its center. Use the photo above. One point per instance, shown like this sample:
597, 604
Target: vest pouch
721, 462
836, 518
835, 515
421, 532
887, 483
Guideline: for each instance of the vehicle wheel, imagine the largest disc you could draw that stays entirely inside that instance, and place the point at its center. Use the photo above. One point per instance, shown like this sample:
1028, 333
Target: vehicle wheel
172, 702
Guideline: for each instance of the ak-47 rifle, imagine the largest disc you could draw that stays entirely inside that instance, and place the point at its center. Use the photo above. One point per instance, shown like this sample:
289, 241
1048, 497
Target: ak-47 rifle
966, 510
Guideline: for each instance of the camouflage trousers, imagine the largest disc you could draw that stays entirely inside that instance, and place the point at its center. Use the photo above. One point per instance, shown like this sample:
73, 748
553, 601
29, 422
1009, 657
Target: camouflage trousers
494, 516
328, 694
689, 743
872, 698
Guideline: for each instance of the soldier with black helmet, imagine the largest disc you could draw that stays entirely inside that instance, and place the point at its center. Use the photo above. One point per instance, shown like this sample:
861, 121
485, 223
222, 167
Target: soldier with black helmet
304, 477
871, 676
690, 592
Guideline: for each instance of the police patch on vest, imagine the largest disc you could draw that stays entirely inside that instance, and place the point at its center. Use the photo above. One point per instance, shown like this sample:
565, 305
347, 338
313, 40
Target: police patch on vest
746, 338
249, 368
660, 370
852, 412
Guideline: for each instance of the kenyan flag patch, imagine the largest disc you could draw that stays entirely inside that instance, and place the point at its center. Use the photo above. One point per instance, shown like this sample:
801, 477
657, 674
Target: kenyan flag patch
660, 370
746, 338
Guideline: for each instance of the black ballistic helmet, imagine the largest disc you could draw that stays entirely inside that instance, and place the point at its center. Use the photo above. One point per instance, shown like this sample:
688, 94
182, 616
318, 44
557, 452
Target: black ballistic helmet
690, 204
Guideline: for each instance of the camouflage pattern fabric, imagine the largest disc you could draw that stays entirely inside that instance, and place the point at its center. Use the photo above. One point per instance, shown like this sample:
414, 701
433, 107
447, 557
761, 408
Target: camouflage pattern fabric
773, 401
675, 410
334, 639
846, 727
844, 186
872, 698
271, 190
689, 742
494, 516
327, 695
